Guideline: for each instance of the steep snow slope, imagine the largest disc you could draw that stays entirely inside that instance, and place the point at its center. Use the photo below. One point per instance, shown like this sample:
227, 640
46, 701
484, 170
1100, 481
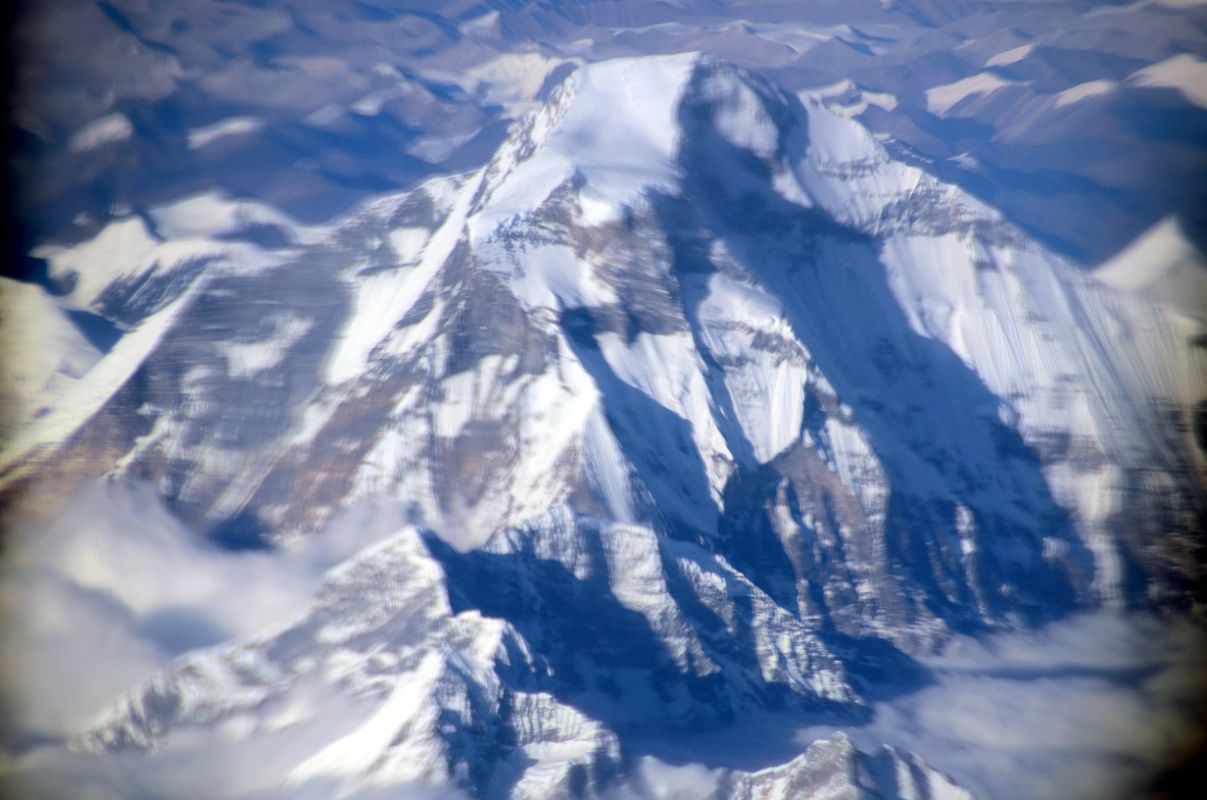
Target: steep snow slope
704, 365
44, 353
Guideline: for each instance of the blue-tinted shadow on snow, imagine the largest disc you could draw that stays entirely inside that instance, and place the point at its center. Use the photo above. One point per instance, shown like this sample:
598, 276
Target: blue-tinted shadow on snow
607, 660
931, 421
671, 478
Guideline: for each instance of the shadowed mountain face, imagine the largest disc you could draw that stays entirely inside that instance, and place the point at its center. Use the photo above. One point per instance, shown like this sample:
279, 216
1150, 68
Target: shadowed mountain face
698, 404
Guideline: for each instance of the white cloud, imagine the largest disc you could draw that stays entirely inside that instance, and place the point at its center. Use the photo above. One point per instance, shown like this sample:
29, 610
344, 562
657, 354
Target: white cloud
656, 780
1078, 710
202, 765
103, 596
118, 584
66, 651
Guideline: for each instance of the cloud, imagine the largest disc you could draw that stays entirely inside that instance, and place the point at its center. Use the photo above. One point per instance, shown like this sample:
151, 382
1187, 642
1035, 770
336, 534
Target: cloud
1084, 708
66, 650
99, 598
206, 764
656, 780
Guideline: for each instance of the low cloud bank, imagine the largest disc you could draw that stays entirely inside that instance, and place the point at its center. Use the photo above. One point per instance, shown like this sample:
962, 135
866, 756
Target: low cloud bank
1094, 706
100, 597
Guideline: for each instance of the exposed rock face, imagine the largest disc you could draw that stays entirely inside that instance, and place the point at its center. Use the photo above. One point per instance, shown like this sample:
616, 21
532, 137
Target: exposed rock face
692, 408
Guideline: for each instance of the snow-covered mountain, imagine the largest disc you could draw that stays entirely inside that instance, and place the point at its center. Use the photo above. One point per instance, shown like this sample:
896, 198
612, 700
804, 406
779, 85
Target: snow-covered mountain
699, 404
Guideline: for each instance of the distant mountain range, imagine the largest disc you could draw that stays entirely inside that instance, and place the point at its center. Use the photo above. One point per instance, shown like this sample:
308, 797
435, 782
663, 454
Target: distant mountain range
1082, 122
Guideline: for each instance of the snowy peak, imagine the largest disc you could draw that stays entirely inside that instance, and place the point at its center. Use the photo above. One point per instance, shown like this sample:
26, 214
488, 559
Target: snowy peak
618, 129
615, 131
610, 124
